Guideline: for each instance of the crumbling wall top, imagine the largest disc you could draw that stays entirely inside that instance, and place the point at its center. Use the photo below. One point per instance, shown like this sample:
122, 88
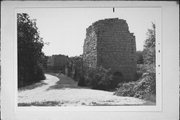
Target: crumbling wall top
108, 23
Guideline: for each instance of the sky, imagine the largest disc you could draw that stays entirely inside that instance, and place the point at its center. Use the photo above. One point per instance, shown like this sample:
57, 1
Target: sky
65, 28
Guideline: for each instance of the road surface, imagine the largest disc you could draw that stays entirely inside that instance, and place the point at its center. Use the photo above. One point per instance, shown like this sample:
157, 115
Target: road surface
65, 92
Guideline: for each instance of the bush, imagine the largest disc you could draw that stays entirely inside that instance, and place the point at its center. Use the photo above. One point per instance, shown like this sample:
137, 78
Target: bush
75, 69
125, 89
81, 81
96, 78
140, 70
101, 78
144, 88
139, 57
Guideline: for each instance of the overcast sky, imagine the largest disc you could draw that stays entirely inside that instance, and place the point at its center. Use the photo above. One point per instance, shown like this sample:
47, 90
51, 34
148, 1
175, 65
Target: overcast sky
65, 28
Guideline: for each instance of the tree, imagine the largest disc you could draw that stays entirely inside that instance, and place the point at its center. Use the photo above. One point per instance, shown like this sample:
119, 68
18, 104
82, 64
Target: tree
150, 62
149, 52
139, 57
76, 67
29, 51
145, 86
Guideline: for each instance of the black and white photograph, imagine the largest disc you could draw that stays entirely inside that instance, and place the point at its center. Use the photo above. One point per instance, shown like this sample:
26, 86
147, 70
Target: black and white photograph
87, 56
90, 60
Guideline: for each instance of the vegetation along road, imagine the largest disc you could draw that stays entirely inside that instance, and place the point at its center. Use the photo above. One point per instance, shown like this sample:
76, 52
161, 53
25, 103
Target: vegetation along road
65, 92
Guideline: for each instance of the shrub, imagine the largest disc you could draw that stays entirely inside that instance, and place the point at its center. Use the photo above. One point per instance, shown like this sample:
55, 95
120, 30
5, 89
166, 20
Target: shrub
96, 78
139, 57
144, 88
101, 78
125, 89
75, 69
81, 81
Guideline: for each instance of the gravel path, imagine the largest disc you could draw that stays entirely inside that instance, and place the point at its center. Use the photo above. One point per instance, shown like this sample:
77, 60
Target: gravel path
64, 92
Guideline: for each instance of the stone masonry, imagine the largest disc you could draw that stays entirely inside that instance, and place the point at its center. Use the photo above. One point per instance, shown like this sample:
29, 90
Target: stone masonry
57, 63
109, 44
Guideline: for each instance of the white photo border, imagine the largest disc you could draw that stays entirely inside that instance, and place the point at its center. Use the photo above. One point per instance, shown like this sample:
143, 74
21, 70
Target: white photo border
9, 63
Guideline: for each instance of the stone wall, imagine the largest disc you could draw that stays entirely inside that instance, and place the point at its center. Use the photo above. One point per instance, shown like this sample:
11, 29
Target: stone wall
57, 60
90, 48
109, 44
57, 63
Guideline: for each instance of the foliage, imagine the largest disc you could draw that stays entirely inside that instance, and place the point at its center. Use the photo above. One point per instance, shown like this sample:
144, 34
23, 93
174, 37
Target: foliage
77, 65
126, 89
142, 88
139, 57
149, 52
140, 70
44, 61
101, 78
145, 87
29, 51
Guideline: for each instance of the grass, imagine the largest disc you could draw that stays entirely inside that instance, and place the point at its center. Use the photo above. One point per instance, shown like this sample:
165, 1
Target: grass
46, 103
58, 103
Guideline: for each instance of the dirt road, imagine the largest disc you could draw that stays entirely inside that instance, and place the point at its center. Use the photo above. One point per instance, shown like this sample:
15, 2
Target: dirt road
65, 92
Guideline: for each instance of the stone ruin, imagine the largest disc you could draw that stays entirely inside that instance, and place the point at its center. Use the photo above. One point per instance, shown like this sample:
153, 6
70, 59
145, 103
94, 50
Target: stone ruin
109, 44
57, 63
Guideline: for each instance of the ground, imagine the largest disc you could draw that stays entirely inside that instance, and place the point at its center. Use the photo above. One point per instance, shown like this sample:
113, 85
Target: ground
65, 92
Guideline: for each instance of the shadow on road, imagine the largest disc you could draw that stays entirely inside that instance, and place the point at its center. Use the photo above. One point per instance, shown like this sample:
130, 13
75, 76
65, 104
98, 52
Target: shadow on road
64, 82
33, 86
